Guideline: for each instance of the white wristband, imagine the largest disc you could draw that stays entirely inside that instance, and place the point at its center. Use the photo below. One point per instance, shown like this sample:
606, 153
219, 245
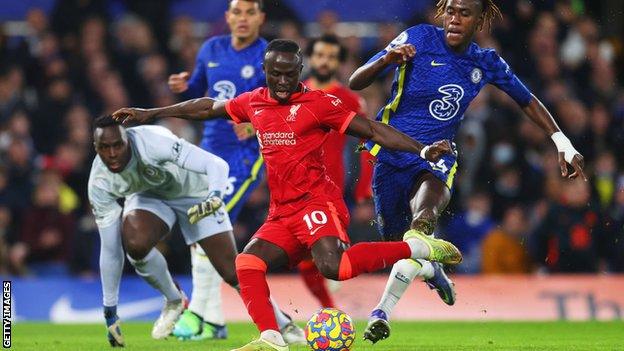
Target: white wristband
424, 151
564, 145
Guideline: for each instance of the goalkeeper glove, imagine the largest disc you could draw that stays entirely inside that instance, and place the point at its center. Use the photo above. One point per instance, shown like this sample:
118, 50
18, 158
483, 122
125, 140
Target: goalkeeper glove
206, 208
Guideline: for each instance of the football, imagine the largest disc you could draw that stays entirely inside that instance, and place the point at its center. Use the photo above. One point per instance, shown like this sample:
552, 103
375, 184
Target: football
330, 329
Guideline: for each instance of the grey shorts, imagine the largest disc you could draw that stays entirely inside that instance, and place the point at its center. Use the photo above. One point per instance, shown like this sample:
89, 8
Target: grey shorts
171, 210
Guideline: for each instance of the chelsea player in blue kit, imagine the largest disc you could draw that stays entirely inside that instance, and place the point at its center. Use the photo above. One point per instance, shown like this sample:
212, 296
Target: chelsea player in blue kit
226, 66
437, 73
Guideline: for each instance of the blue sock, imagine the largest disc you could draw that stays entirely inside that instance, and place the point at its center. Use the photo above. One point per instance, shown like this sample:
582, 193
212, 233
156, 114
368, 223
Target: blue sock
110, 314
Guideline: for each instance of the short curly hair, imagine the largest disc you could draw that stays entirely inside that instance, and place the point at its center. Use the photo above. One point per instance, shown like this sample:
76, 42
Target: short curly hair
105, 121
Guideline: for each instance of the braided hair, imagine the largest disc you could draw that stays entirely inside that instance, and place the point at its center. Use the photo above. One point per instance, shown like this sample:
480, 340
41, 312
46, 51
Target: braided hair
490, 9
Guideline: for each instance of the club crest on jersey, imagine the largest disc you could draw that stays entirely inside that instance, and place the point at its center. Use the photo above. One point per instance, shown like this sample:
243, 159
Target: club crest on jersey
248, 71
293, 113
401, 39
447, 107
153, 175
476, 75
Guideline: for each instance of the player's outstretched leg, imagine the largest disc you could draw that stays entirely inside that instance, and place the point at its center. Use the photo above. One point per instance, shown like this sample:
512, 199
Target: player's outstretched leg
113, 324
336, 263
141, 230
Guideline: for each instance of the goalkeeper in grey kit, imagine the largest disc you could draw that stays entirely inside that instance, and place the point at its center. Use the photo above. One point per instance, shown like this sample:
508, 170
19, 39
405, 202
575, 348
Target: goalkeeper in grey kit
163, 179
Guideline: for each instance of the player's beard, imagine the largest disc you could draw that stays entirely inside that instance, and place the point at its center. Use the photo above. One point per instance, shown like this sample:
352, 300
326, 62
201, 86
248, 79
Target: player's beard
321, 77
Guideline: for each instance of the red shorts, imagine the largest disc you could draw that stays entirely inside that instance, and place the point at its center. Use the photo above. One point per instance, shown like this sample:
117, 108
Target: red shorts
297, 233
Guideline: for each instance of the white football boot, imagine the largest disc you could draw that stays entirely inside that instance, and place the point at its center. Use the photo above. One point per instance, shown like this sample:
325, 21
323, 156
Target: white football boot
168, 317
293, 335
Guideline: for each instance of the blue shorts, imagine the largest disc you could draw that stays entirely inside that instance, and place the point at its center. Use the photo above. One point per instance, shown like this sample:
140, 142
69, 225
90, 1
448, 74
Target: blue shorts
246, 172
392, 187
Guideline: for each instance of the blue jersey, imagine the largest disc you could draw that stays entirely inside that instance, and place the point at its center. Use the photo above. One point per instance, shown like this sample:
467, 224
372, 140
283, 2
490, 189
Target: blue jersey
221, 72
431, 92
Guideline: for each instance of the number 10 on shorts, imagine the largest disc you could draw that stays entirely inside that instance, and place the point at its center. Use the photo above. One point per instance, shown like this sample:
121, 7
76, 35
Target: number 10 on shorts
315, 219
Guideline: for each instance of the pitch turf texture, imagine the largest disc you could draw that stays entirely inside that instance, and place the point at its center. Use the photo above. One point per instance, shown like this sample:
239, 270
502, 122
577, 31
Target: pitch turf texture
405, 336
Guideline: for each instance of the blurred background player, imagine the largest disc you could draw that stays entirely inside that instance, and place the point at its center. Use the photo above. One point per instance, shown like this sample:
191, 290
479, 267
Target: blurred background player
325, 54
438, 72
160, 176
226, 66
308, 214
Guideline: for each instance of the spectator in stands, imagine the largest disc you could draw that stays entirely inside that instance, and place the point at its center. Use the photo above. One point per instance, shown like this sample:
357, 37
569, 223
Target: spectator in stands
504, 248
571, 236
45, 236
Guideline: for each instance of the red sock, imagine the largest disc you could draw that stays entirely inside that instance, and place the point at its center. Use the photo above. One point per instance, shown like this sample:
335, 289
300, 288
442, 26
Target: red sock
369, 257
315, 283
251, 272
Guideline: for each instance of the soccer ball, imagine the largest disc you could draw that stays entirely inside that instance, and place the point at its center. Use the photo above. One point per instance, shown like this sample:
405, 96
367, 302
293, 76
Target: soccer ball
330, 330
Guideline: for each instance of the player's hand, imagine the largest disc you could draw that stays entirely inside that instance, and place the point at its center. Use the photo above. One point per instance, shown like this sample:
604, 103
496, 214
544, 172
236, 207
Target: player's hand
578, 163
131, 114
400, 54
435, 151
178, 83
206, 208
243, 131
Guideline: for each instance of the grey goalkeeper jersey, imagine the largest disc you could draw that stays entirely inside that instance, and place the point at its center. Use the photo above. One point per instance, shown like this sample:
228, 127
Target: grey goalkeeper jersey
161, 166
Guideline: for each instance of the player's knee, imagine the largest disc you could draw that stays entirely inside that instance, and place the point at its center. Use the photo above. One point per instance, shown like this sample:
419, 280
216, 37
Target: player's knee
136, 249
329, 267
228, 273
230, 278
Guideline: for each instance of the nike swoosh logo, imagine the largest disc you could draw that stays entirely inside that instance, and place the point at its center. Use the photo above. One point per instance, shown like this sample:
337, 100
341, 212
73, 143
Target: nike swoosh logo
257, 112
213, 64
436, 64
312, 232
63, 312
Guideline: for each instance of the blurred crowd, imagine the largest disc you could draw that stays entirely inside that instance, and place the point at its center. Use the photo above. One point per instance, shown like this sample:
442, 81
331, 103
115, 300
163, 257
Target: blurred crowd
512, 211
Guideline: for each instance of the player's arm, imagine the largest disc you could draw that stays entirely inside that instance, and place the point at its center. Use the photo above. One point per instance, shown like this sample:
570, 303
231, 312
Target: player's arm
107, 214
507, 81
195, 109
166, 147
538, 113
365, 75
390, 138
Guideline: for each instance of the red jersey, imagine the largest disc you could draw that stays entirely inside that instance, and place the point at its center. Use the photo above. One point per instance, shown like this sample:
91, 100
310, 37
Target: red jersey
291, 138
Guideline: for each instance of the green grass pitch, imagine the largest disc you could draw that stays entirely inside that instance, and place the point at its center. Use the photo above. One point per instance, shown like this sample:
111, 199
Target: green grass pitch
405, 336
